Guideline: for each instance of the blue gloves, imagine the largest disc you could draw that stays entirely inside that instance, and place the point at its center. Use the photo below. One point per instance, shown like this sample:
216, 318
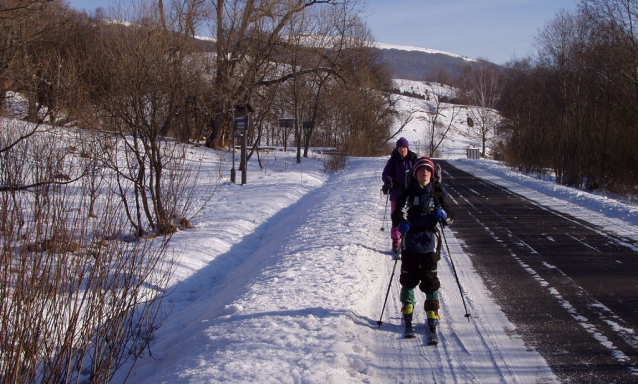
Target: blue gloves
439, 214
403, 227
442, 217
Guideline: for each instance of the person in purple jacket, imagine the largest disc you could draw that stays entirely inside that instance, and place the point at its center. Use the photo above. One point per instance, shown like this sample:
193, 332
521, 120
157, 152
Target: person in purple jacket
394, 177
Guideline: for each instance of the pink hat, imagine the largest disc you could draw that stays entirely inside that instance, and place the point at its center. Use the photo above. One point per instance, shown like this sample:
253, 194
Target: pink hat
423, 162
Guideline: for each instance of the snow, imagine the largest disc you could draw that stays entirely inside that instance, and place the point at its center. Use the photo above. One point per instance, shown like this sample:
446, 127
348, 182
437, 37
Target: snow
283, 281
419, 49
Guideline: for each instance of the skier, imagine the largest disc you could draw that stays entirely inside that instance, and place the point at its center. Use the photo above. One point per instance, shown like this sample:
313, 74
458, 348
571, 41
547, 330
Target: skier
394, 177
418, 211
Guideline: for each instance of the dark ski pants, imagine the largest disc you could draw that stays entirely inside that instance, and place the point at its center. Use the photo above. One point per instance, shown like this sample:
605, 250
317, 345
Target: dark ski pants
420, 269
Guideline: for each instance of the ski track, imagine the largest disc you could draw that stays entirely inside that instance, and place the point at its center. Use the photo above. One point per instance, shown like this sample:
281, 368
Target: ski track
464, 347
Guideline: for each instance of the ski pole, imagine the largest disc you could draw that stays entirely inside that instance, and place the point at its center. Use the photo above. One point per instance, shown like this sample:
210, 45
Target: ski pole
467, 314
385, 212
380, 323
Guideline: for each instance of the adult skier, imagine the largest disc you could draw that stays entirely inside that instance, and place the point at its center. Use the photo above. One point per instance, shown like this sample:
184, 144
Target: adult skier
394, 178
418, 211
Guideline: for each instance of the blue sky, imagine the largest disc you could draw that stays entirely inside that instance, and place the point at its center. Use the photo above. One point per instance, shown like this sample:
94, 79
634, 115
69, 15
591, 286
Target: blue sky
497, 30
494, 29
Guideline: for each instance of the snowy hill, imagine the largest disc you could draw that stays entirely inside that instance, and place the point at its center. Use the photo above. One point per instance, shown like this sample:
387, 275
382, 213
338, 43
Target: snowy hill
283, 281
422, 63
409, 48
408, 62
460, 138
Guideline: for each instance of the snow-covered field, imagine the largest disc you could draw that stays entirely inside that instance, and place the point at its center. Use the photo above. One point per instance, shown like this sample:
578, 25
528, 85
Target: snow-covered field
284, 278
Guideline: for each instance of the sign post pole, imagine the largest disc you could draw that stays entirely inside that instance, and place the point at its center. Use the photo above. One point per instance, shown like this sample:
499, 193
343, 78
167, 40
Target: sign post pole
240, 129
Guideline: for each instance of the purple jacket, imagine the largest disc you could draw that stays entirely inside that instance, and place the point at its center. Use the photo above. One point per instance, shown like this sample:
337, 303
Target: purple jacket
394, 171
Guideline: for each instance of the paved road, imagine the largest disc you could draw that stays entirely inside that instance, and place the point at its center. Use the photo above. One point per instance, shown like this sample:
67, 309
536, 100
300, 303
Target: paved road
570, 288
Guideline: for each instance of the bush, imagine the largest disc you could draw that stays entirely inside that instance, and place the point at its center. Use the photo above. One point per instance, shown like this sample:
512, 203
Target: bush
78, 299
334, 162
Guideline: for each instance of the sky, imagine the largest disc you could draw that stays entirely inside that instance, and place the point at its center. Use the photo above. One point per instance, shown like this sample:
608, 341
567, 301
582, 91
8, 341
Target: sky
283, 281
496, 30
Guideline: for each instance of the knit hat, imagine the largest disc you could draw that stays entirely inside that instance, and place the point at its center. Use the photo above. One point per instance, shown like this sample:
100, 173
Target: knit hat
423, 162
403, 142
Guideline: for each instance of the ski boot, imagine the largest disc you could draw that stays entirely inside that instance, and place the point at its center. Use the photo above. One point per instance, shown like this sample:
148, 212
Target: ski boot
407, 318
433, 321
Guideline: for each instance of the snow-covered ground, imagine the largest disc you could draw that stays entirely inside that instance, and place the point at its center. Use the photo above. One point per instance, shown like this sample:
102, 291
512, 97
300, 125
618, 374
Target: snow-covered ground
283, 281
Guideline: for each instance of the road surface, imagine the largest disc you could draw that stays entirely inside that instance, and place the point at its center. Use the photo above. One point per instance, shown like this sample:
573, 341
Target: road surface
570, 287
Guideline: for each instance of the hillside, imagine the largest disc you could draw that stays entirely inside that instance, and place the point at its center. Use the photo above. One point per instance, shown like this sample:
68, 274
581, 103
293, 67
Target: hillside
412, 63
421, 64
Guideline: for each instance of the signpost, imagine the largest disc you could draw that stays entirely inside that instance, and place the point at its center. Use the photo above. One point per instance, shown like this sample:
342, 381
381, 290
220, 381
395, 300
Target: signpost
240, 127
286, 124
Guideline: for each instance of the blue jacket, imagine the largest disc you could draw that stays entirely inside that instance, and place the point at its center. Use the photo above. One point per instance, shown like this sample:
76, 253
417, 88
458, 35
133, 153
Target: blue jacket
415, 206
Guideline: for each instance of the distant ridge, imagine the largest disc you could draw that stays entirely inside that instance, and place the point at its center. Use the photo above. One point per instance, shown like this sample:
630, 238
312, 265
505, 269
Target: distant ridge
407, 62
423, 64
419, 49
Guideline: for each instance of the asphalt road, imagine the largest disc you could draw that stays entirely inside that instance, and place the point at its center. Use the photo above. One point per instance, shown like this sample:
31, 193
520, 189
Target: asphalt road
570, 287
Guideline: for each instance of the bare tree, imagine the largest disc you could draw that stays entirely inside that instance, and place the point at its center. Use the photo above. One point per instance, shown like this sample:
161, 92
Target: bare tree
572, 108
618, 18
436, 130
147, 73
481, 83
17, 34
77, 302
248, 36
402, 116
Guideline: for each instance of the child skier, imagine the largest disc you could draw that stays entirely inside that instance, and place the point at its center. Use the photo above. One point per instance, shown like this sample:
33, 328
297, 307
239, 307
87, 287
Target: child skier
418, 211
